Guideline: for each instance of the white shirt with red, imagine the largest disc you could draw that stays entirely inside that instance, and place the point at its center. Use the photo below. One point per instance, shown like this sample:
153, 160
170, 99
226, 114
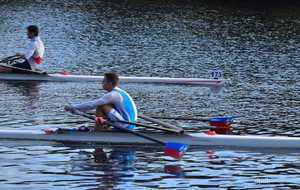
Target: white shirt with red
35, 52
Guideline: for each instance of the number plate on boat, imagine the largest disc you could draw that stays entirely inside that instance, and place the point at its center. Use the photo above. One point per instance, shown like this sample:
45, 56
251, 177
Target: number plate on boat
215, 74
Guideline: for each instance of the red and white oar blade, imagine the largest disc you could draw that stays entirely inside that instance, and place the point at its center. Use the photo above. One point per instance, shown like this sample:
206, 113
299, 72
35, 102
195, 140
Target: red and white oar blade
175, 150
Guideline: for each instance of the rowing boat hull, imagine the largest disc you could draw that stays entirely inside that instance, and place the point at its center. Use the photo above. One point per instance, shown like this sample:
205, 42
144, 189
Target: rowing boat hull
88, 78
193, 139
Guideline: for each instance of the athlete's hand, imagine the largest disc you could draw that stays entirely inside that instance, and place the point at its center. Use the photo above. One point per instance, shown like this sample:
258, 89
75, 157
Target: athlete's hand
100, 120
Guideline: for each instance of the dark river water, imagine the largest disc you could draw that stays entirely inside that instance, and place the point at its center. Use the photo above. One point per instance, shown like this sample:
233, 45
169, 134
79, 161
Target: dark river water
255, 44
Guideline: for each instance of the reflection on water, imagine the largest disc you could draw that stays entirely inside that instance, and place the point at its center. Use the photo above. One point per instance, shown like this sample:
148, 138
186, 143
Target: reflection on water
175, 170
118, 168
29, 89
54, 165
254, 43
108, 167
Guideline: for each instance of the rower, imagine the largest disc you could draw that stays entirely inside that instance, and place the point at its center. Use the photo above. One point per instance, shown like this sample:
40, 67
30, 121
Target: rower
34, 52
115, 105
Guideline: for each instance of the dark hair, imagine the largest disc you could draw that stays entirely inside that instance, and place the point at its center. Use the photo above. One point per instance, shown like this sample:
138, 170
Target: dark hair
34, 29
112, 77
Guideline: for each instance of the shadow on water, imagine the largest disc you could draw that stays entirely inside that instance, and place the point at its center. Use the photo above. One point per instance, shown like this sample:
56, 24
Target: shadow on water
111, 167
29, 89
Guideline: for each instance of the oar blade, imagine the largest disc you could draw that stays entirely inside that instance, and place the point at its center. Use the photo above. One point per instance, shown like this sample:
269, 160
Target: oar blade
222, 124
223, 118
175, 150
224, 121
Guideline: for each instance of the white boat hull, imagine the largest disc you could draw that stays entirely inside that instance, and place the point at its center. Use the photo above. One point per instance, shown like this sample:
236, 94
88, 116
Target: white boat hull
88, 78
192, 139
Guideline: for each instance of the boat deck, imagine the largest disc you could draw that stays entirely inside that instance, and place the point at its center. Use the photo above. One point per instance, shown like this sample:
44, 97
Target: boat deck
87, 78
192, 139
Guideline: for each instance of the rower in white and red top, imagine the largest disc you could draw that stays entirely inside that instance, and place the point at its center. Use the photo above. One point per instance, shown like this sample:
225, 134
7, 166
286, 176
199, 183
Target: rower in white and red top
116, 105
35, 50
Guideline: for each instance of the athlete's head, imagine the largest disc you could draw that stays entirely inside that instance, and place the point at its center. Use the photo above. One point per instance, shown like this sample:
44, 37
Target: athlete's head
110, 81
32, 31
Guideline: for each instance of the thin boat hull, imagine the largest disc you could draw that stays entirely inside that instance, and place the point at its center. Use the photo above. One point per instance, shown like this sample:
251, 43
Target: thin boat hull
88, 78
192, 139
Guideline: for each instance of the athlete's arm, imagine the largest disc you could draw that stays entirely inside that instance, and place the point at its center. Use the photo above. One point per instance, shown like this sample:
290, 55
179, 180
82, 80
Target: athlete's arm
106, 99
30, 50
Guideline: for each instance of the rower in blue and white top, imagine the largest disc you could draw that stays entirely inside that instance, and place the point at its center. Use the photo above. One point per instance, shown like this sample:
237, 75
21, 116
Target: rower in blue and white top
117, 104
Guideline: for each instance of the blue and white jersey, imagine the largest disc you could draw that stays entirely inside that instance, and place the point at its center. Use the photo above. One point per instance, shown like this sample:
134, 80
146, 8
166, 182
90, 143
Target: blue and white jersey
122, 102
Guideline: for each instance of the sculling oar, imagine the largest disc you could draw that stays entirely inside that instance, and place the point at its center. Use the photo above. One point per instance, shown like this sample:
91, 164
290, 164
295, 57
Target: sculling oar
220, 121
162, 123
8, 60
166, 129
220, 125
217, 125
174, 130
197, 119
172, 149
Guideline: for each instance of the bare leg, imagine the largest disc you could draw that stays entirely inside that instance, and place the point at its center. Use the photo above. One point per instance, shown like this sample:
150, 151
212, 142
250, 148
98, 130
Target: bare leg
102, 111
